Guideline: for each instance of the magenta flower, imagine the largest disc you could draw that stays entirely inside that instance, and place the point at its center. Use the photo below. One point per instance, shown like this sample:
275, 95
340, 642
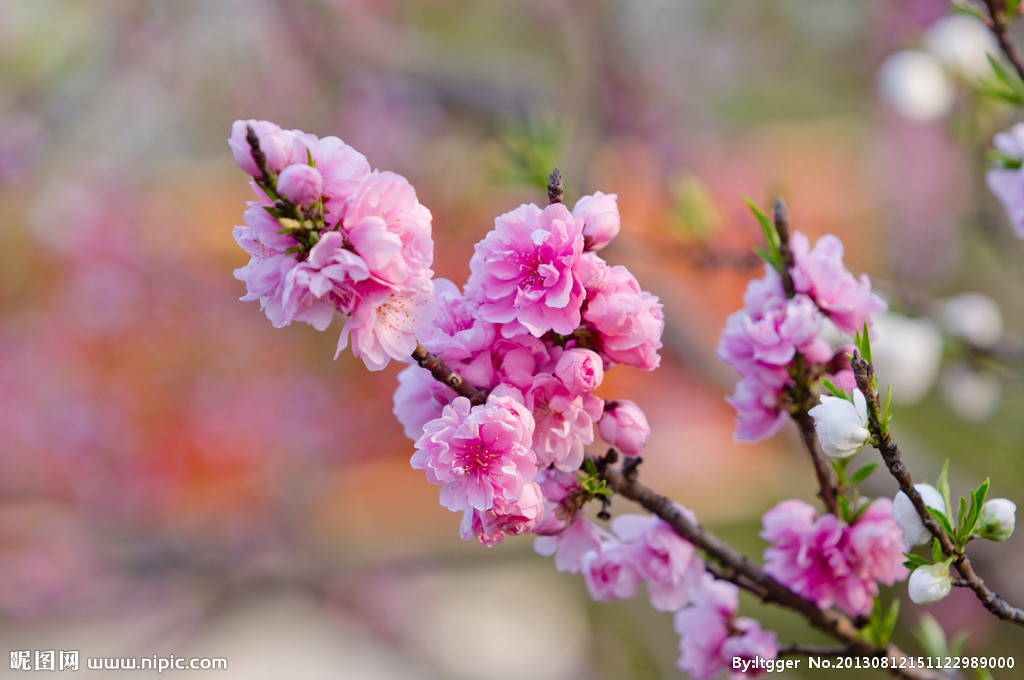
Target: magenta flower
628, 321
481, 454
300, 183
601, 221
624, 426
565, 422
522, 273
1008, 184
829, 562
384, 322
580, 370
570, 545
458, 332
612, 572
506, 518
711, 635
668, 562
757, 402
418, 399
820, 273
275, 143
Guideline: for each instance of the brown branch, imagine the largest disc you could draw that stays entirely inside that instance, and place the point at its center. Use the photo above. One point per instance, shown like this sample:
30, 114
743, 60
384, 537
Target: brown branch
864, 372
266, 174
738, 569
444, 374
803, 398
1000, 27
555, 191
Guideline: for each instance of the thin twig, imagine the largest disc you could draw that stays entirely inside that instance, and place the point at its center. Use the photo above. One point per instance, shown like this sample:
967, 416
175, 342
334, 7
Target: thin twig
1000, 27
803, 397
555, 191
738, 569
864, 372
443, 374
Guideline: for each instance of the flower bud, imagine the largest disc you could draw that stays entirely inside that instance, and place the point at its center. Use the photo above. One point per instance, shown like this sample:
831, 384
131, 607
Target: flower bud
581, 370
930, 583
996, 520
841, 425
301, 184
601, 221
907, 519
275, 143
624, 426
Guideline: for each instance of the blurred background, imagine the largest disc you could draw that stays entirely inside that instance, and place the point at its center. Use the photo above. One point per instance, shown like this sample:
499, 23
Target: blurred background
178, 477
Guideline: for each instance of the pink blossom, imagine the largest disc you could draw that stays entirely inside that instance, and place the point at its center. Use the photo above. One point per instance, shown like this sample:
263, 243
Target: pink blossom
601, 221
611, 572
522, 273
480, 454
565, 422
670, 563
711, 635
580, 370
629, 322
624, 426
750, 643
1008, 184
275, 143
576, 540
389, 228
300, 183
384, 322
506, 518
757, 403
343, 169
820, 273
829, 562
316, 287
418, 399
457, 332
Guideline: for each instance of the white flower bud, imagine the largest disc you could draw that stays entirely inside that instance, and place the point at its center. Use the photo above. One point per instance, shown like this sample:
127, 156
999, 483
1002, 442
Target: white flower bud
962, 43
914, 84
996, 520
930, 583
907, 353
906, 517
841, 425
975, 317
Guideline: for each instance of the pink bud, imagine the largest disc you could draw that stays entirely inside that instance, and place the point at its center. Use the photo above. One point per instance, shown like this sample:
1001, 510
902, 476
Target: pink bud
275, 143
624, 426
301, 184
580, 370
600, 215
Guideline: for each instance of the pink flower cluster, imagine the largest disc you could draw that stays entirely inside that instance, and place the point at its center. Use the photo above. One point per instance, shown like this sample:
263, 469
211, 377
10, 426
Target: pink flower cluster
540, 321
711, 635
1008, 184
830, 562
328, 234
761, 340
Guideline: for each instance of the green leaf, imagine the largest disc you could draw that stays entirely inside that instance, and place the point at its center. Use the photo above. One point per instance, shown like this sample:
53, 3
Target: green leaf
936, 551
960, 7
941, 518
914, 561
958, 643
1004, 161
835, 390
982, 492
863, 473
864, 343
772, 254
961, 515
844, 509
1012, 7
769, 258
943, 483
888, 623
930, 636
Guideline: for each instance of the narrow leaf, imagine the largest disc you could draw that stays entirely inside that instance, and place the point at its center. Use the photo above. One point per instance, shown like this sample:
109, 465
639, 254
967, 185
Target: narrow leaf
834, 389
863, 473
936, 551
942, 520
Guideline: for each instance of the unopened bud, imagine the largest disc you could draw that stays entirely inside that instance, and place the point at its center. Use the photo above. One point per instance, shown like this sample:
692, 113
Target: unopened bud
997, 519
906, 517
930, 583
841, 425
